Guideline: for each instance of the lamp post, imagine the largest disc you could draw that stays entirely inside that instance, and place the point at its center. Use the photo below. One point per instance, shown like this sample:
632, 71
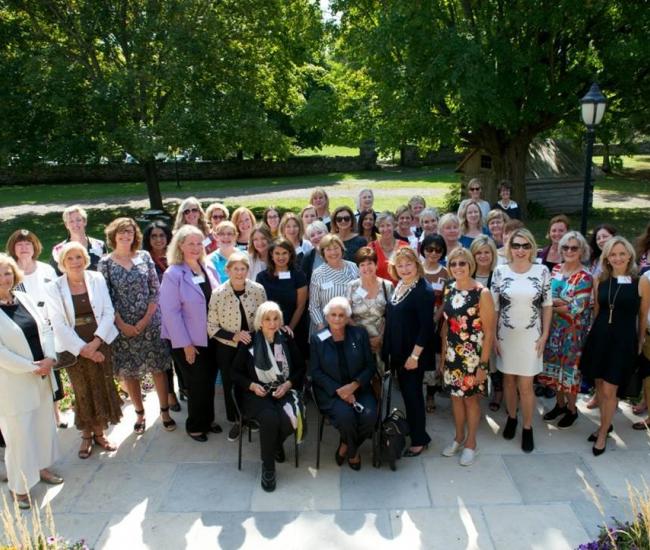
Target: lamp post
592, 107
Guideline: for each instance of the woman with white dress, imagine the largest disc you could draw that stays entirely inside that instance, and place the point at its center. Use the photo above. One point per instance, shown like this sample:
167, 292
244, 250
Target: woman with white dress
522, 297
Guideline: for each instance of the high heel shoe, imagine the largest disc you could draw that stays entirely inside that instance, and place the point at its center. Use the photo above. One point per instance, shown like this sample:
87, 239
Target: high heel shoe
169, 425
140, 427
594, 436
597, 451
411, 454
356, 466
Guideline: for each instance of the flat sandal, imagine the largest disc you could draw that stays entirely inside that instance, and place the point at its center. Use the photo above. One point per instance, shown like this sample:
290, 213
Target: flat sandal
88, 450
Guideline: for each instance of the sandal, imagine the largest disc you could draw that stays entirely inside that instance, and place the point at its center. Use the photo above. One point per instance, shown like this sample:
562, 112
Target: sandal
639, 408
140, 427
87, 450
169, 425
431, 404
494, 406
104, 443
641, 426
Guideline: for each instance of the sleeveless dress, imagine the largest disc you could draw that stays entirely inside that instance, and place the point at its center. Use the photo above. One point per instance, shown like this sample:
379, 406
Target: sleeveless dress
610, 351
464, 341
96, 400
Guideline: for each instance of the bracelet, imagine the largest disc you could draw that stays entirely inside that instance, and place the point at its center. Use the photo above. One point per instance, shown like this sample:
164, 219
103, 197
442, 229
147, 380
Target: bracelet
415, 357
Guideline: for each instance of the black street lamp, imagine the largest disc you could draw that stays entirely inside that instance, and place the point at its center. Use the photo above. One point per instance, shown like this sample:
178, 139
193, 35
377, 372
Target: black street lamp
592, 107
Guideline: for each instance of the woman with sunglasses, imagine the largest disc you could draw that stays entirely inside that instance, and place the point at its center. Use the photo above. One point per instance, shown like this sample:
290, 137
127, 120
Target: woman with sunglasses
474, 193
467, 337
571, 287
433, 249
522, 297
343, 225
214, 215
190, 212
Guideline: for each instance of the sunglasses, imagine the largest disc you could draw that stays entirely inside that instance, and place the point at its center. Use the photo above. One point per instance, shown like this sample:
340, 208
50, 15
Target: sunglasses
190, 211
573, 248
432, 249
474, 188
345, 219
521, 246
459, 263
216, 216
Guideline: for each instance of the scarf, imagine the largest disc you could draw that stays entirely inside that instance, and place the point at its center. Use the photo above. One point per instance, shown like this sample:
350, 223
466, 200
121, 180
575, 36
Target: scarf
271, 360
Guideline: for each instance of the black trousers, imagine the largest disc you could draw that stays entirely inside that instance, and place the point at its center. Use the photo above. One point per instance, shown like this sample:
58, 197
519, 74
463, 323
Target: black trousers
410, 384
170, 378
354, 427
200, 379
275, 425
225, 357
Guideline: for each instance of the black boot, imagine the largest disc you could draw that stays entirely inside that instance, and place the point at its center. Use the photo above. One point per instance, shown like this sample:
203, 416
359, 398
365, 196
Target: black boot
527, 443
268, 479
510, 429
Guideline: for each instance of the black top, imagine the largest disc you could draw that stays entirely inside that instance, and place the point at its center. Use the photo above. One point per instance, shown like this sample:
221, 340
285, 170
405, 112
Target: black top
513, 213
19, 314
242, 311
400, 238
327, 371
352, 246
283, 291
205, 287
343, 362
410, 323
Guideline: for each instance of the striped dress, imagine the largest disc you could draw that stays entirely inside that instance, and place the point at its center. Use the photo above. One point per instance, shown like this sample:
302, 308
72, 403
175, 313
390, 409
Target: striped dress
327, 283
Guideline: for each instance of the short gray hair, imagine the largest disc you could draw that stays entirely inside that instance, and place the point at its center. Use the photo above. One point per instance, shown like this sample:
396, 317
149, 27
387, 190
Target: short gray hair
338, 302
385, 216
316, 224
430, 212
585, 251
264, 309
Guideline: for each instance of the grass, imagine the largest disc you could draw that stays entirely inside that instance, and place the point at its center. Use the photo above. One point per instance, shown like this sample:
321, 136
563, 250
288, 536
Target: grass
329, 151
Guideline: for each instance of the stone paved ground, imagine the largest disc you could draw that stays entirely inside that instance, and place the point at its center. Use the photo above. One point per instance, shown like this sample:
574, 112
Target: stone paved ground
163, 490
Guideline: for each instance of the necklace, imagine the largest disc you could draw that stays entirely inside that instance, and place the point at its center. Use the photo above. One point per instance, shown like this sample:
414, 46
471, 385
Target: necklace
402, 291
611, 302
8, 301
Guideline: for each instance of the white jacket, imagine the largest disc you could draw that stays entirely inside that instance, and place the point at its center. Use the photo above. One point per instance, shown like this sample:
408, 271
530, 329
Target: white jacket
19, 386
60, 310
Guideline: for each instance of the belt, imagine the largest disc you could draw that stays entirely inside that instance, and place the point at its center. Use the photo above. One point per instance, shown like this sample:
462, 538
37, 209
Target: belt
84, 320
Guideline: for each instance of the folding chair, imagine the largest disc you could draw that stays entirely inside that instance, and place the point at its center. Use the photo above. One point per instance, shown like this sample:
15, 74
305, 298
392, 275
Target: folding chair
245, 422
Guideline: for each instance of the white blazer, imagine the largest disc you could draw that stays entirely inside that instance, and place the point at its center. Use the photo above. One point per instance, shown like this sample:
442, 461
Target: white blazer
19, 386
60, 310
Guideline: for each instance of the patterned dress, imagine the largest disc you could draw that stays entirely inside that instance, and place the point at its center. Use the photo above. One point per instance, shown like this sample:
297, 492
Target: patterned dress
132, 290
568, 330
464, 341
519, 299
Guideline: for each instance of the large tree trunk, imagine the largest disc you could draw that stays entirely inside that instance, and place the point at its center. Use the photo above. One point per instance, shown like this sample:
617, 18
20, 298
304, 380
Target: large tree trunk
606, 166
153, 184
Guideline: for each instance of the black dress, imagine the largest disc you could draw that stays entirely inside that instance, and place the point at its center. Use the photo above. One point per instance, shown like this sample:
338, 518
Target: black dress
610, 350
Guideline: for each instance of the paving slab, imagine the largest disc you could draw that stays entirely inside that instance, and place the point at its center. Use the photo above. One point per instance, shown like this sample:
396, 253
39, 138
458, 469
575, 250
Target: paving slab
78, 526
485, 482
534, 527
616, 468
450, 528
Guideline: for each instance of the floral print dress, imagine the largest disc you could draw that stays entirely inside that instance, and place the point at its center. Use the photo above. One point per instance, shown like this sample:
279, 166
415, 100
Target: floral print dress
464, 341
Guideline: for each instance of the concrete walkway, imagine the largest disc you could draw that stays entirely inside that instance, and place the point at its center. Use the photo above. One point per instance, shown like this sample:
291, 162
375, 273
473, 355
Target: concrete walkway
162, 490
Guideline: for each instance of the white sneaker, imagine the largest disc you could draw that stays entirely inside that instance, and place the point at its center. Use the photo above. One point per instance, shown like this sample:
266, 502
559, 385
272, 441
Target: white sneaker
453, 449
467, 456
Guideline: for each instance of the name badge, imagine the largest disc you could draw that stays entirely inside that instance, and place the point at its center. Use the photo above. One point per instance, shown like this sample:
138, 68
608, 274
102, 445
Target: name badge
361, 292
96, 252
207, 241
299, 250
437, 286
324, 335
558, 277
137, 260
284, 275
624, 280
538, 260
328, 285
198, 279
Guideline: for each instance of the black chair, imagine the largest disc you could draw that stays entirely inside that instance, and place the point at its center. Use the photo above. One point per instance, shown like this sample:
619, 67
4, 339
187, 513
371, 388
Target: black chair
245, 422
379, 395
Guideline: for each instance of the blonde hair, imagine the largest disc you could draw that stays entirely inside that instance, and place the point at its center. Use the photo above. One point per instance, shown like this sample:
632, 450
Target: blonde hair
264, 310
72, 209
187, 203
605, 266
224, 225
237, 215
119, 224
262, 230
585, 251
174, 252
462, 216
328, 240
446, 219
497, 213
468, 256
216, 206
288, 216
524, 234
5, 259
69, 247
478, 243
404, 252
367, 190
320, 191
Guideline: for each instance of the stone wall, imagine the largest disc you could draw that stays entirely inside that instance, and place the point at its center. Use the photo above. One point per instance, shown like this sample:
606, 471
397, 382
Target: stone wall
119, 172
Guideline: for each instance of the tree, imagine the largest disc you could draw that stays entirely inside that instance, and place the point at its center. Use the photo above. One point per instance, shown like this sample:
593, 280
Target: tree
489, 73
151, 75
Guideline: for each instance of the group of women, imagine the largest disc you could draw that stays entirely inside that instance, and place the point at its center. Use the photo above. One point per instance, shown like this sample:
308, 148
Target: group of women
463, 303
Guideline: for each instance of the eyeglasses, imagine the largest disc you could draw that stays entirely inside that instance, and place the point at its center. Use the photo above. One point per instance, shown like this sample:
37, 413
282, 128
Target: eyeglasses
214, 216
459, 263
128, 230
190, 211
573, 248
474, 188
344, 219
432, 249
520, 246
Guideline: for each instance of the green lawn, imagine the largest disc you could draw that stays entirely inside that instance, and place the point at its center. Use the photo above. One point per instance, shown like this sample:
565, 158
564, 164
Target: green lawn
329, 151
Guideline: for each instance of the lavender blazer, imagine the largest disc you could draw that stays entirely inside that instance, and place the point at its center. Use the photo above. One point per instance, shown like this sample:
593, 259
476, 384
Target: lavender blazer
183, 307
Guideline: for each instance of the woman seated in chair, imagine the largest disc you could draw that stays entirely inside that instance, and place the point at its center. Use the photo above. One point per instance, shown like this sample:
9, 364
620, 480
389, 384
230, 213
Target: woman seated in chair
270, 372
342, 366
